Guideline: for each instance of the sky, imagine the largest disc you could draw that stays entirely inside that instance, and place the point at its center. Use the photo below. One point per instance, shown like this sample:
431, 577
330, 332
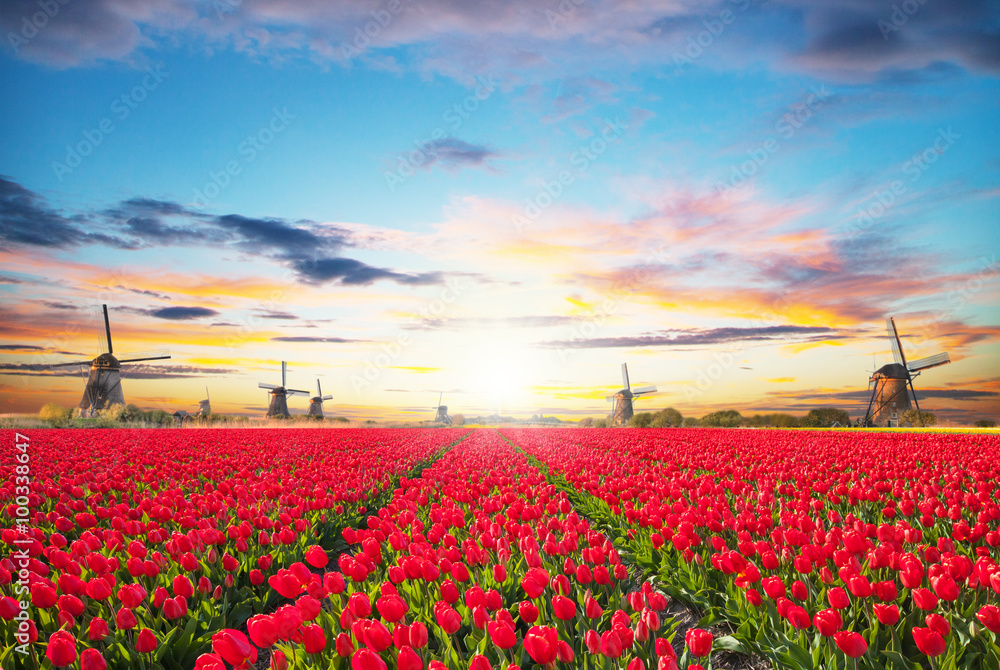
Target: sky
501, 202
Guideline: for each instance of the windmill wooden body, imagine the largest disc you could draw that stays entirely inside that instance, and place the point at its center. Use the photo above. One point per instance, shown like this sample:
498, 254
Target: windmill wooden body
104, 383
316, 402
891, 386
278, 407
624, 399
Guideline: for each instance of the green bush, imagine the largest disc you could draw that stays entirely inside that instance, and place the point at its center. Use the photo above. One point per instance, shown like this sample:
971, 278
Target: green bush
641, 420
600, 423
986, 423
56, 414
727, 418
690, 422
668, 417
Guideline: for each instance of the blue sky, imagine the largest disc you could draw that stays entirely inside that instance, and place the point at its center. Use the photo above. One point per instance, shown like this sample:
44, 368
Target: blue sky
712, 201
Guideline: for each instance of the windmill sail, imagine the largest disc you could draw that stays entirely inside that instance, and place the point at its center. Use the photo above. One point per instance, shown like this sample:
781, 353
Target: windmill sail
929, 362
897, 346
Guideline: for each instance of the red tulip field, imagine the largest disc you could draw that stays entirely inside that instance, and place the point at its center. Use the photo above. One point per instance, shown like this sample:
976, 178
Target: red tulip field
372, 549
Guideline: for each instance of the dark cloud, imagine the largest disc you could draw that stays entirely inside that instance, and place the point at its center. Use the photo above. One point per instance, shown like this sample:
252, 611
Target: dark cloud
453, 153
351, 272
182, 313
281, 316
323, 340
59, 305
9, 280
699, 338
20, 347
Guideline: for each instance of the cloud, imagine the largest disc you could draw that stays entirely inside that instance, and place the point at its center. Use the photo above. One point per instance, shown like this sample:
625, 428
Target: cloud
27, 220
351, 272
20, 347
844, 39
9, 280
182, 313
453, 154
701, 337
276, 315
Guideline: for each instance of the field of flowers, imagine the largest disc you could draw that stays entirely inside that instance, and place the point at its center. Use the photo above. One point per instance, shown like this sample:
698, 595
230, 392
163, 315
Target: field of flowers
372, 549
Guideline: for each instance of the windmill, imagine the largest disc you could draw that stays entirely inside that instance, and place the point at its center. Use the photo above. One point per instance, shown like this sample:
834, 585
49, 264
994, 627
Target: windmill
278, 406
888, 398
316, 402
624, 398
442, 412
104, 383
205, 406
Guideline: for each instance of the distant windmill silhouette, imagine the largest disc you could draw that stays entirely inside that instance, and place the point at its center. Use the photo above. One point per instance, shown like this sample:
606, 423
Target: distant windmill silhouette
442, 412
888, 399
278, 406
104, 383
624, 399
316, 402
205, 406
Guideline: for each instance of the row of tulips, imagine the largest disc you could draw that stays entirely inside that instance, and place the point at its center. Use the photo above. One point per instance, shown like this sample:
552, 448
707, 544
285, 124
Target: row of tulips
821, 550
143, 544
480, 563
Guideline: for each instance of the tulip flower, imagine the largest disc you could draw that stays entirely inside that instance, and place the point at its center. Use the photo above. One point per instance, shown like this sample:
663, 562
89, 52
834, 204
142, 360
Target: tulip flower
699, 642
989, 616
145, 642
851, 643
61, 649
91, 659
929, 641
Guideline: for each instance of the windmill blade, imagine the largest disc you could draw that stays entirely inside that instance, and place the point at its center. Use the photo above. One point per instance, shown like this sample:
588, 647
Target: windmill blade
262, 385
644, 389
284, 370
207, 397
897, 346
440, 396
319, 391
326, 397
296, 392
609, 398
148, 358
929, 362
625, 376
66, 365
107, 329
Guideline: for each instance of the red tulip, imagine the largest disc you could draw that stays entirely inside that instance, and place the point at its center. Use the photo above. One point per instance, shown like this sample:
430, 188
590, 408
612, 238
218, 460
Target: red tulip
828, 622
700, 642
938, 623
851, 643
366, 659
480, 662
989, 616
91, 659
563, 608
97, 630
145, 642
316, 556
502, 635
888, 615
61, 650
924, 599
929, 641
541, 643
313, 639
837, 598
391, 607
611, 644
407, 659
